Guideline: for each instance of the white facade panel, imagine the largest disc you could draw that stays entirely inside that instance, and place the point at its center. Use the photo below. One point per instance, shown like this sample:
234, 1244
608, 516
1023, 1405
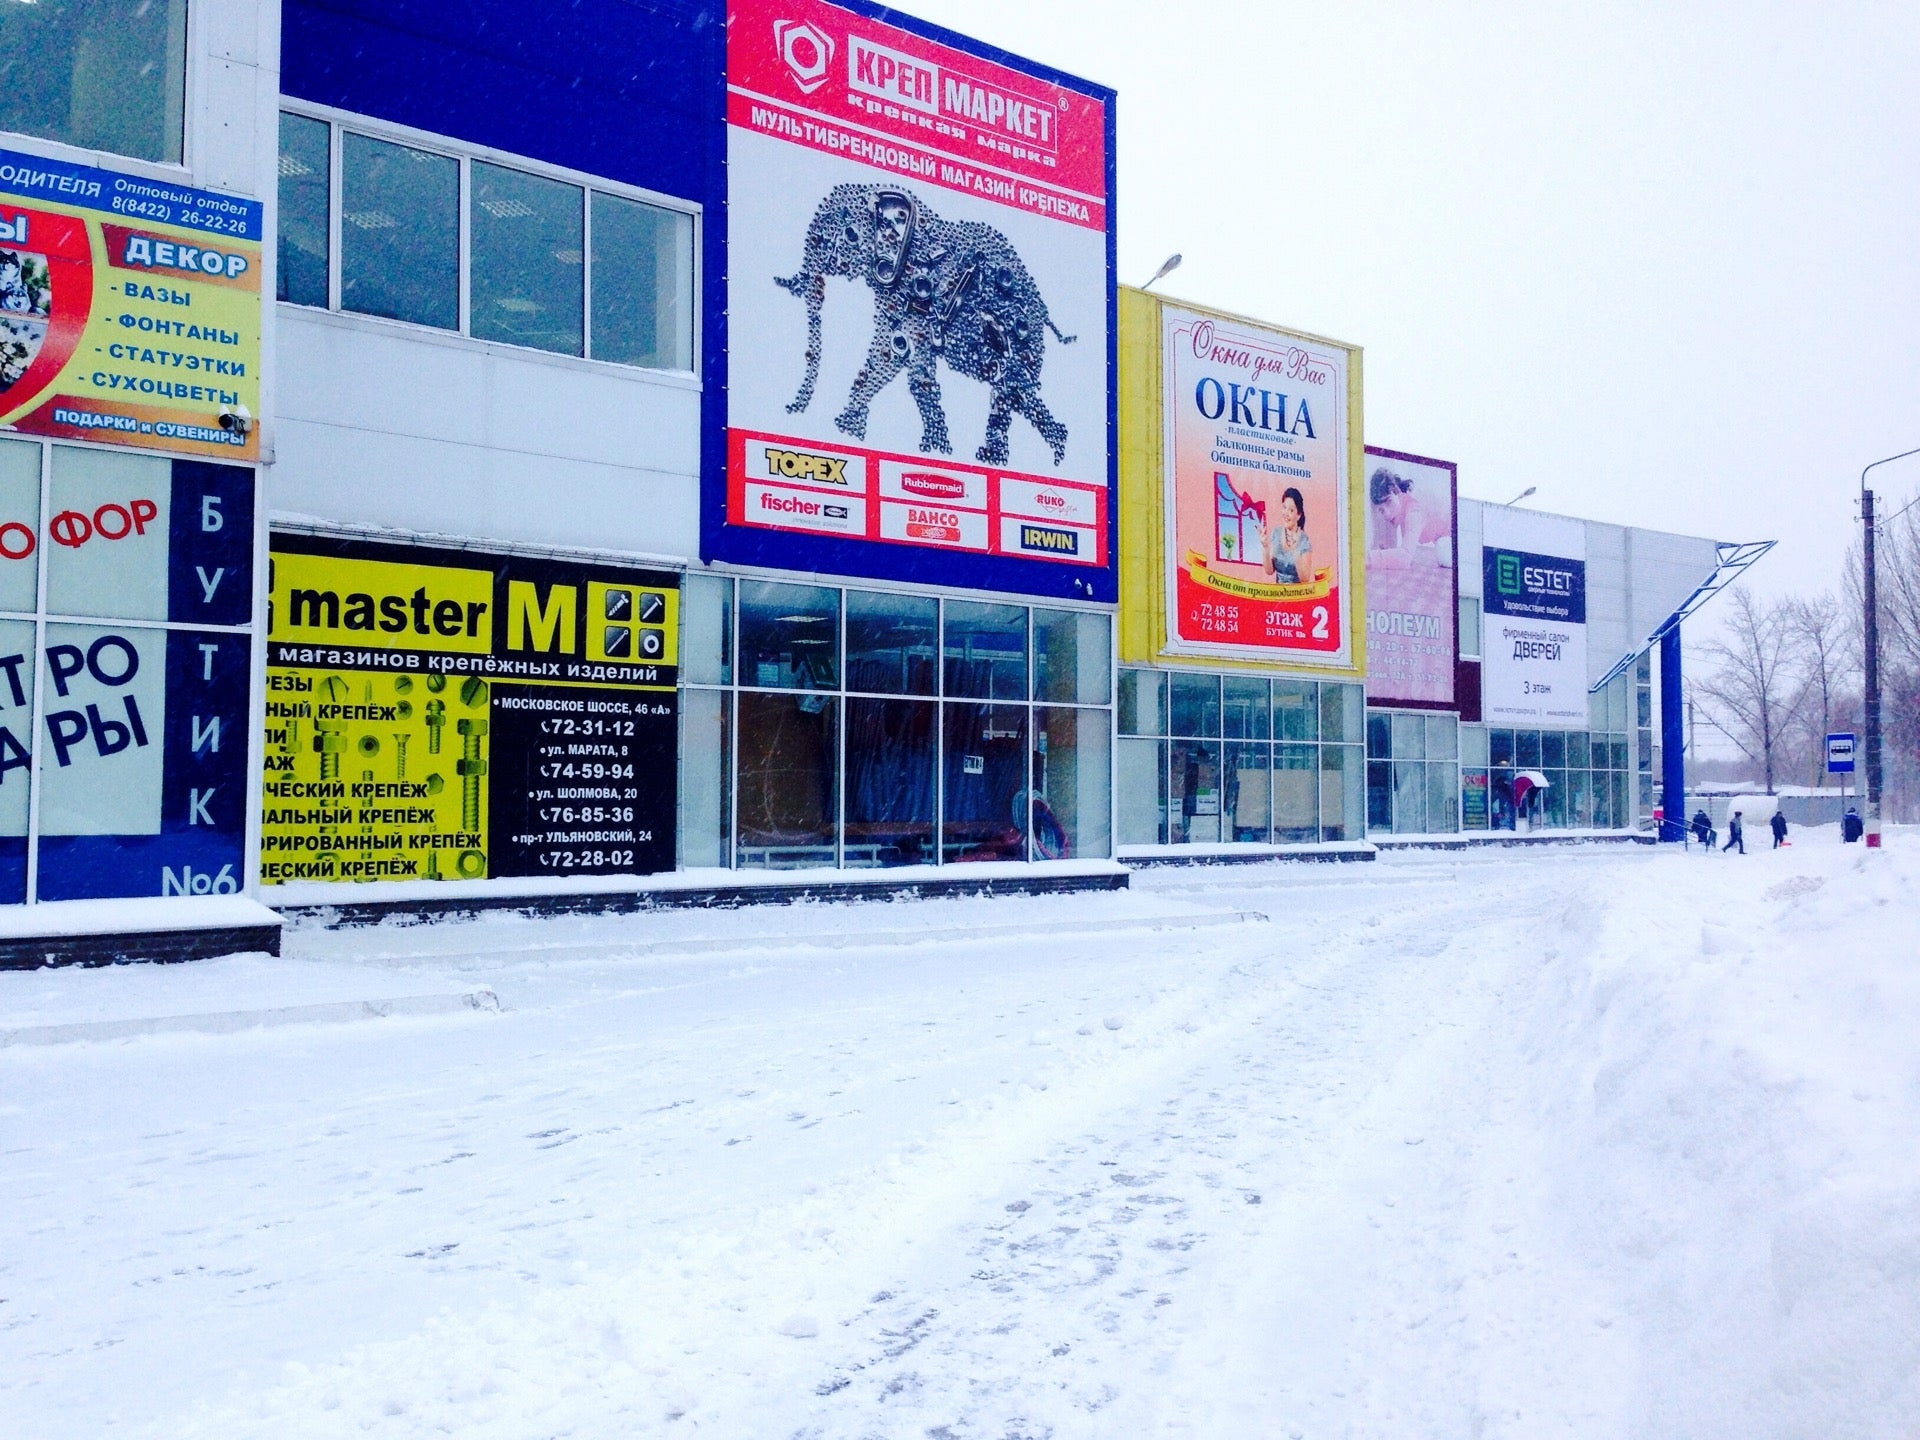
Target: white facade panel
445, 436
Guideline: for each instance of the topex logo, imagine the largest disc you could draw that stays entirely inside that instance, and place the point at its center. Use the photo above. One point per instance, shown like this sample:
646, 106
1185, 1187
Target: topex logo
807, 51
803, 466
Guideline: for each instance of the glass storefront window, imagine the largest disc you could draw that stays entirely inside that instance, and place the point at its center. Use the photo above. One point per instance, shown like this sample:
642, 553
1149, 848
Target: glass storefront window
1473, 745
1296, 710
1443, 797
19, 505
891, 643
1343, 711
1553, 748
1442, 737
1380, 737
97, 74
1380, 795
1469, 626
1193, 791
1071, 657
985, 777
1409, 798
1500, 747
1196, 705
1579, 799
1527, 749
1296, 800
789, 638
986, 650
1072, 816
1409, 737
1141, 791
706, 630
1343, 787
788, 766
1247, 806
400, 233
1577, 754
706, 760
528, 277
1244, 710
93, 579
891, 797
305, 213
1143, 702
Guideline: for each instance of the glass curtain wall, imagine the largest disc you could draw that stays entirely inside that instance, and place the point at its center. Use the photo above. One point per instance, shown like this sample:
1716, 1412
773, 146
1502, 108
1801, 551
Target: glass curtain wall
1587, 772
1413, 772
1211, 758
869, 728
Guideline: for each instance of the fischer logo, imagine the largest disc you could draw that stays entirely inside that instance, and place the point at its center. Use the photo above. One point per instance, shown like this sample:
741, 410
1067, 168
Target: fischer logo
933, 486
807, 51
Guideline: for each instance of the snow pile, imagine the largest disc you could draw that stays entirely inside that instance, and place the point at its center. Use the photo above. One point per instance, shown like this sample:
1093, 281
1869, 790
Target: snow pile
1594, 1142
1728, 1069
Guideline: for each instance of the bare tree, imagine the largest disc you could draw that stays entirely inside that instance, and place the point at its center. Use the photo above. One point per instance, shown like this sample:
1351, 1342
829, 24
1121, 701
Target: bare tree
1751, 689
1822, 639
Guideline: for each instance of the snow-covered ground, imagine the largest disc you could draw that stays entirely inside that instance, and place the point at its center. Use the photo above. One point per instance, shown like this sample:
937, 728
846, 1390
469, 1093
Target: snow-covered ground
1599, 1142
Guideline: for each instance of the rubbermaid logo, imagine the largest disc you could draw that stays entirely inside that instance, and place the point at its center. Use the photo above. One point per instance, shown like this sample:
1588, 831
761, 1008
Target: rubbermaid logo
940, 487
1045, 537
808, 51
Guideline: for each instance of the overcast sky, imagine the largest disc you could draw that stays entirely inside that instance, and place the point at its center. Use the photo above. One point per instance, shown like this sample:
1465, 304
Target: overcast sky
1660, 260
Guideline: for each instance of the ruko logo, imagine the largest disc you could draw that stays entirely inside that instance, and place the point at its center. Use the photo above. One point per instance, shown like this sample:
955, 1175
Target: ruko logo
807, 51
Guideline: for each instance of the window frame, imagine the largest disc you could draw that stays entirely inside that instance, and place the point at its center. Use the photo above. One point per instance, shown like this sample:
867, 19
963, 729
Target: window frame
466, 154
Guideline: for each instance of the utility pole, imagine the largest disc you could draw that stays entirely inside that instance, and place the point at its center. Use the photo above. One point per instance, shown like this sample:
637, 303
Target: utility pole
1870, 635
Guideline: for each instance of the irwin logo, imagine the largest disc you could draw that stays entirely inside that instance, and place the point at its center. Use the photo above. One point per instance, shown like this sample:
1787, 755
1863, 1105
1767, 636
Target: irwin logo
1050, 540
799, 465
934, 487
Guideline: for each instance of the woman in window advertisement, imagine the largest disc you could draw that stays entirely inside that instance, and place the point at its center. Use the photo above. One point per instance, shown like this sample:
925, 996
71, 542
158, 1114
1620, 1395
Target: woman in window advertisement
1288, 548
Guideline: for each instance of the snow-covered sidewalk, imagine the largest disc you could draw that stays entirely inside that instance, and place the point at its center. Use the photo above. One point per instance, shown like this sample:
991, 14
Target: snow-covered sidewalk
1595, 1142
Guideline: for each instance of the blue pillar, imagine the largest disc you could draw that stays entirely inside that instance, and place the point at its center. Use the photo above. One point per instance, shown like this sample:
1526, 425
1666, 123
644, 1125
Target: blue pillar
1673, 733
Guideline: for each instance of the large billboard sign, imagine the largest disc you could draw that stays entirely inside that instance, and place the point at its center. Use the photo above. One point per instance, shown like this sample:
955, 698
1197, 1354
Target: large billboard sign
1258, 491
458, 715
1413, 593
1533, 666
129, 309
918, 308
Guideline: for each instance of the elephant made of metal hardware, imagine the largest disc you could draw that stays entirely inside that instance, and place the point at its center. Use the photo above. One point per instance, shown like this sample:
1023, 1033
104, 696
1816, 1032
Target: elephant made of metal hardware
943, 289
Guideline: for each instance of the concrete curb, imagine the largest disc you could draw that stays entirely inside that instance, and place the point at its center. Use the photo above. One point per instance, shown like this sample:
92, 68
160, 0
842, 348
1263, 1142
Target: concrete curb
226, 1022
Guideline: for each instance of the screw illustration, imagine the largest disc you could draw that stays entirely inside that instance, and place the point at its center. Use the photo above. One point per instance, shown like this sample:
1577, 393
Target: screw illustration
333, 689
436, 683
400, 739
402, 684
436, 718
369, 747
330, 741
473, 691
470, 768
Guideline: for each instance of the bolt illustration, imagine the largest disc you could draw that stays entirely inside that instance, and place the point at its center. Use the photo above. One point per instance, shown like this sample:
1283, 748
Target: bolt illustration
402, 684
473, 691
400, 739
333, 689
436, 782
330, 741
436, 718
369, 747
436, 683
470, 768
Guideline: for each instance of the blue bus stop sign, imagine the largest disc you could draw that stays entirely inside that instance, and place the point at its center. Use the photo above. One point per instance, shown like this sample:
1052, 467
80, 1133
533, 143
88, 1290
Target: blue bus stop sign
1840, 754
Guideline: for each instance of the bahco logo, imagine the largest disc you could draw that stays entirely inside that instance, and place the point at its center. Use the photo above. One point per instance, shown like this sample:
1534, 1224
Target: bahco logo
807, 50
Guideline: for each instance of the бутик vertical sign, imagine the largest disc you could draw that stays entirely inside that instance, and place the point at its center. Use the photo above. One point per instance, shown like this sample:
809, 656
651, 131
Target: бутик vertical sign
918, 308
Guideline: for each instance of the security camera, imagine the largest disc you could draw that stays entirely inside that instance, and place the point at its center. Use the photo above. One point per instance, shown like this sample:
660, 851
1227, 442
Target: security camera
236, 418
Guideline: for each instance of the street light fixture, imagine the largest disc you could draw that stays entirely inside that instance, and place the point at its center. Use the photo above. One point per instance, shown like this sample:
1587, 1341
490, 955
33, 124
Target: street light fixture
1523, 494
1870, 637
1167, 267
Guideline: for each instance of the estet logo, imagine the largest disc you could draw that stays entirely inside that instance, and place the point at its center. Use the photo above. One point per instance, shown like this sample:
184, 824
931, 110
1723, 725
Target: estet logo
807, 51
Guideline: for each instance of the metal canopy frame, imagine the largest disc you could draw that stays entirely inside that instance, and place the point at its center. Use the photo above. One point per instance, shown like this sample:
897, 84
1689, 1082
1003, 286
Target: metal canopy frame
1734, 560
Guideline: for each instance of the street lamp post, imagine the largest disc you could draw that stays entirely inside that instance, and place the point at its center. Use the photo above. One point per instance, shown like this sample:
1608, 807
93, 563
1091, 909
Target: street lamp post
1870, 641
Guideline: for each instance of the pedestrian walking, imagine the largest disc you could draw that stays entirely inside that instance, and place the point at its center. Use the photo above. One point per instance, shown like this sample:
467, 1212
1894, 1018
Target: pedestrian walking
1850, 826
1702, 829
1735, 840
1779, 826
